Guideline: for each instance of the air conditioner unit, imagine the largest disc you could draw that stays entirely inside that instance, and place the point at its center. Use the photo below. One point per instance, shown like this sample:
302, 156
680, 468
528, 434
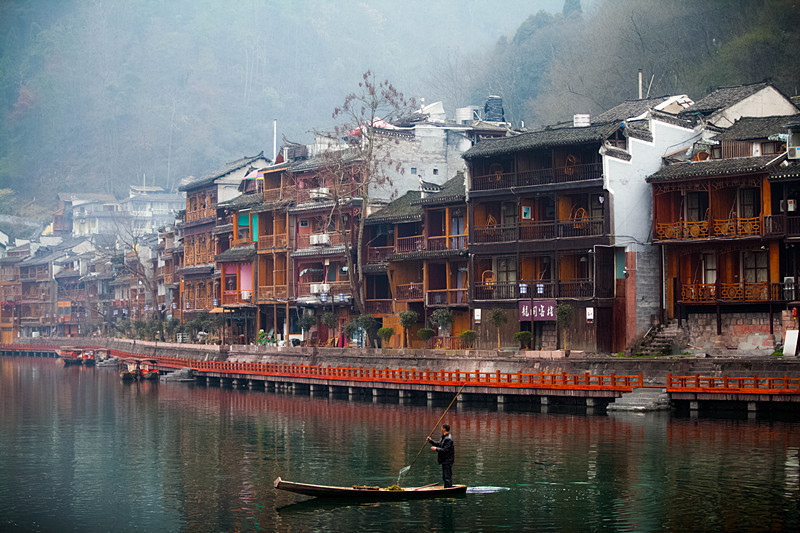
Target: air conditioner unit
316, 288
793, 152
320, 239
318, 193
246, 295
792, 205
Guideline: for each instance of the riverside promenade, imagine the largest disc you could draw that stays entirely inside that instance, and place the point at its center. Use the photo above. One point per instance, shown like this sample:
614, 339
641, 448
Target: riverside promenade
736, 382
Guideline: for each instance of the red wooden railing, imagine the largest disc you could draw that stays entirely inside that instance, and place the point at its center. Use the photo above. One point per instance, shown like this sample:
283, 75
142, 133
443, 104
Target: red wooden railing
727, 384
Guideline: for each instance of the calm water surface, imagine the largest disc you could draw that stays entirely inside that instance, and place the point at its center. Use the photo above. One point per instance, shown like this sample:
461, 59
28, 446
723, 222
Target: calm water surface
81, 451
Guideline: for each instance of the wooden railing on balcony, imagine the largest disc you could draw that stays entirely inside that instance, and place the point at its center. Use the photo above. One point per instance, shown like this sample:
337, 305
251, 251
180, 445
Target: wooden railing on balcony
721, 228
273, 292
409, 291
545, 176
445, 343
538, 289
237, 297
378, 254
334, 239
733, 292
447, 242
280, 240
332, 288
446, 297
529, 231
379, 307
285, 193
415, 243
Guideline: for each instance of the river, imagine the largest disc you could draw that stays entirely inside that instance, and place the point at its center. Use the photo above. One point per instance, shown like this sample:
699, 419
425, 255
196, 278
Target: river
82, 451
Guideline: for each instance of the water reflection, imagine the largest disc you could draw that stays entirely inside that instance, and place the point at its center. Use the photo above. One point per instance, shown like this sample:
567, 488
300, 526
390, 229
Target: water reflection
76, 443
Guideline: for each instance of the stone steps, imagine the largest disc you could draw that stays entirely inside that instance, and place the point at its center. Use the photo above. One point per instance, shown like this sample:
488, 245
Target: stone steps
642, 399
663, 340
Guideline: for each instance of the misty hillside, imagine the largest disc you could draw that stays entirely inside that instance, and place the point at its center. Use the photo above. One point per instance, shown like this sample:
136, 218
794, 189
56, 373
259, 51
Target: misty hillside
99, 95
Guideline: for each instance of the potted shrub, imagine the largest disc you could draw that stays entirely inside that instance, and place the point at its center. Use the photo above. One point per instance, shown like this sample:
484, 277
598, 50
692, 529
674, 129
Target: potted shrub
497, 317
385, 335
369, 325
407, 320
523, 338
442, 318
468, 337
349, 329
426, 334
306, 322
330, 320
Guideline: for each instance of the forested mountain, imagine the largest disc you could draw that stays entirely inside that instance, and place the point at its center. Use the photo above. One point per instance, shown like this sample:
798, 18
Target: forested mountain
98, 95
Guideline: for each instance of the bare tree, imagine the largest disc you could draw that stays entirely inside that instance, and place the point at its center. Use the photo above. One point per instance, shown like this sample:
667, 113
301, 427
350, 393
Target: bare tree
362, 169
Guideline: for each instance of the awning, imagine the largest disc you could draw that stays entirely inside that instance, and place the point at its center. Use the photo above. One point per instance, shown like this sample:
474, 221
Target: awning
216, 310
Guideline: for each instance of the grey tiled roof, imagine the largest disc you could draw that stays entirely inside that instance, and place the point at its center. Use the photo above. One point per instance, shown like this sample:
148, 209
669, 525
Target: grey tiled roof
319, 250
237, 253
628, 109
243, 201
750, 128
712, 167
452, 191
723, 97
404, 209
559, 136
227, 169
790, 171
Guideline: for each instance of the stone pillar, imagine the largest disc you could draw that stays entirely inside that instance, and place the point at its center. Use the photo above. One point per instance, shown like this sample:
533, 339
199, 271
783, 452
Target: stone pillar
544, 400
501, 399
351, 391
403, 394
752, 407
694, 405
429, 395
590, 402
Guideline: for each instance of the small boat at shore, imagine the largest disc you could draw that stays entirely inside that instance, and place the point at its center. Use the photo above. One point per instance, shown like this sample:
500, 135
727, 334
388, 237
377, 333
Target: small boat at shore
148, 370
129, 370
87, 358
363, 492
68, 355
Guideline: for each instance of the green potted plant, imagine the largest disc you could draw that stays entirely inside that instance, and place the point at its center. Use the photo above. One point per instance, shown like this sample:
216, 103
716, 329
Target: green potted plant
442, 318
306, 322
407, 320
385, 335
369, 325
330, 320
468, 337
497, 317
426, 334
524, 339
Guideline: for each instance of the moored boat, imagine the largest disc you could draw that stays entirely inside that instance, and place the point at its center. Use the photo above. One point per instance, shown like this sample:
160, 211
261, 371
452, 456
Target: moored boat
148, 369
68, 355
363, 492
129, 369
87, 358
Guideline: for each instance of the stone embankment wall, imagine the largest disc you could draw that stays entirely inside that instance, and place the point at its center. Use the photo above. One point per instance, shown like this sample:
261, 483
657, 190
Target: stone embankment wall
655, 370
742, 331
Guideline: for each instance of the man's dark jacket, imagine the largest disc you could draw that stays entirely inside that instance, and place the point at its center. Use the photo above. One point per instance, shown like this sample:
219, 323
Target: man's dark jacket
446, 450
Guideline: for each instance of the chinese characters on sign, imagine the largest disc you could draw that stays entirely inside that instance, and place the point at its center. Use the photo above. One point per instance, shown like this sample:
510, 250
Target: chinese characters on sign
538, 311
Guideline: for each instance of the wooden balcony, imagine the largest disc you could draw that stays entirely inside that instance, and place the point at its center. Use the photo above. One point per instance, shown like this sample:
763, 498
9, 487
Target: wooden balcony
718, 228
273, 292
331, 288
447, 242
311, 240
280, 193
446, 297
266, 242
409, 291
378, 254
415, 243
531, 231
538, 289
545, 176
743, 292
780, 225
379, 307
237, 297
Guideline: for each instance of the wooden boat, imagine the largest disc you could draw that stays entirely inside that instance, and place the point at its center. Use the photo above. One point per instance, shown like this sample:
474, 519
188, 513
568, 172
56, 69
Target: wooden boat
67, 355
149, 370
87, 358
358, 492
129, 369
102, 354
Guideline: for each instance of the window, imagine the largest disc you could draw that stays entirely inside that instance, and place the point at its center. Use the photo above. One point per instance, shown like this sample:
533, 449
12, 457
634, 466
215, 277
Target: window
230, 282
435, 171
304, 223
755, 265
506, 268
414, 171
618, 140
509, 214
769, 148
696, 206
709, 268
748, 203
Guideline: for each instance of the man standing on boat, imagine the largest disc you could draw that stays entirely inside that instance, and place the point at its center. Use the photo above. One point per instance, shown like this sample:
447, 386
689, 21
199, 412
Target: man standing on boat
447, 454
